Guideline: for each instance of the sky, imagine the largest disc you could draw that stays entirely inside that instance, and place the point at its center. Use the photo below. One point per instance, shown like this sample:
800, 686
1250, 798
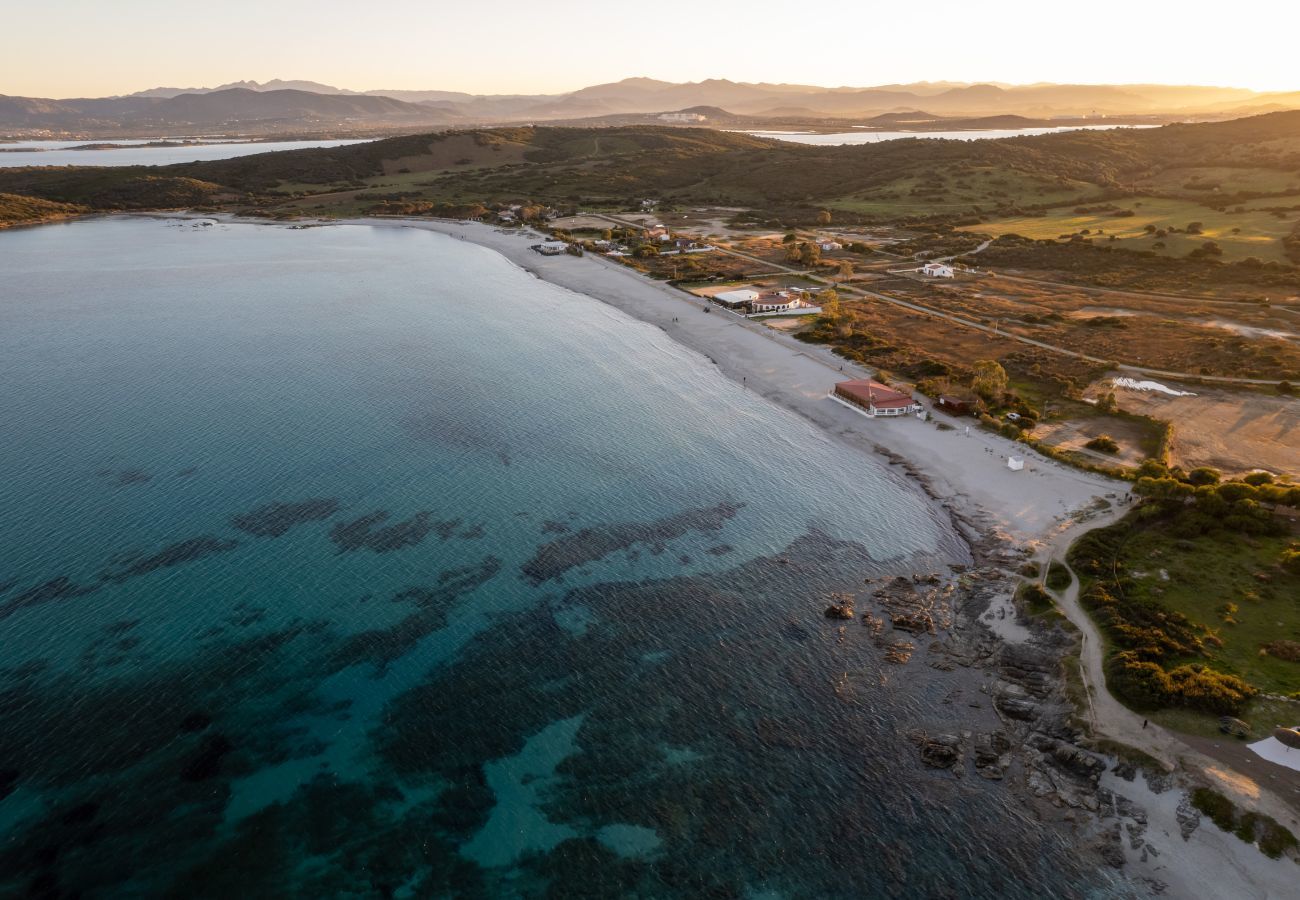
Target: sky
94, 48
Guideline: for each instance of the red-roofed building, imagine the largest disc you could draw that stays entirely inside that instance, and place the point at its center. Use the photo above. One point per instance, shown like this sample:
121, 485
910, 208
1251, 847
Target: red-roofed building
876, 399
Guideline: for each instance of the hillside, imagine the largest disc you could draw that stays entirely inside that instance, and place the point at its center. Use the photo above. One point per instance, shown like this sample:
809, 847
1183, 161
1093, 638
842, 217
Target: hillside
239, 109
926, 180
299, 104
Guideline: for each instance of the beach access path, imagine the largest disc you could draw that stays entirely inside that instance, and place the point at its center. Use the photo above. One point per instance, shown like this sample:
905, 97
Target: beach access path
1253, 784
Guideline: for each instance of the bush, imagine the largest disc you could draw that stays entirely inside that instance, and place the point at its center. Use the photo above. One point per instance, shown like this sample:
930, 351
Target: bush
1058, 576
1274, 838
1033, 597
1103, 443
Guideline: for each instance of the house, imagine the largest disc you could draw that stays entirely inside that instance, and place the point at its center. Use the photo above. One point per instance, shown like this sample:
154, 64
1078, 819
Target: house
958, 406
831, 245
735, 299
682, 117
874, 398
778, 301
938, 270
551, 248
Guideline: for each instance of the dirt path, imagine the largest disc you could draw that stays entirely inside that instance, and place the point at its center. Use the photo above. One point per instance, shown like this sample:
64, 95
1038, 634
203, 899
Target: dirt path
1112, 719
968, 323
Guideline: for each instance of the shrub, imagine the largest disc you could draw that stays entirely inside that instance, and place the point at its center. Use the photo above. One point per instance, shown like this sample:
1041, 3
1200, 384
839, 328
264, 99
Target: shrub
1103, 443
1214, 806
1058, 576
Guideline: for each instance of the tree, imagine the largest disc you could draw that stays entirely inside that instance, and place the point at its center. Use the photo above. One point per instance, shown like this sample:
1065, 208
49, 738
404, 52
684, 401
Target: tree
810, 254
1203, 475
1107, 403
824, 217
846, 269
829, 301
990, 380
790, 238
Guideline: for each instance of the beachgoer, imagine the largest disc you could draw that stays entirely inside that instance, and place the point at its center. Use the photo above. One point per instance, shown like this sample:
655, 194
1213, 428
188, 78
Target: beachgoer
1144, 723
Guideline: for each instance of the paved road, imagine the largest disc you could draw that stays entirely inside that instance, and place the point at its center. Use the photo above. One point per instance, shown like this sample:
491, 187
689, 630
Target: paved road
968, 323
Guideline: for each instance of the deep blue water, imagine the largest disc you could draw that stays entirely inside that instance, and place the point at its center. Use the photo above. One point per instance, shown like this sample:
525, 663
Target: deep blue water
356, 561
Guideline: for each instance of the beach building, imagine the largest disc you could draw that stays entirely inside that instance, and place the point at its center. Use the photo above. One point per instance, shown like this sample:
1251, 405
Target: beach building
551, 248
1015, 463
874, 398
938, 270
958, 406
778, 301
736, 299
831, 245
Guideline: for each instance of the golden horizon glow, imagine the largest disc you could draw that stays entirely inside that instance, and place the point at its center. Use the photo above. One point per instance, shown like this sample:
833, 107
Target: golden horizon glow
87, 48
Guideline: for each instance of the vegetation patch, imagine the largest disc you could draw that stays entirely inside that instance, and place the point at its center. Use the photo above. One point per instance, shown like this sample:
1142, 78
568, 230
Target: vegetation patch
1273, 838
1190, 588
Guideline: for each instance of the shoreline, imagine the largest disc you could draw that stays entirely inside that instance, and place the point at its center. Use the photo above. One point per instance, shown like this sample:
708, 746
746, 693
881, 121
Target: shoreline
964, 473
1000, 514
1003, 517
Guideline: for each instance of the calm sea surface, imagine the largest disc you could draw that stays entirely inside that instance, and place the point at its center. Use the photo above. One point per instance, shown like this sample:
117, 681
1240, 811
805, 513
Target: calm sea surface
358, 562
134, 153
871, 137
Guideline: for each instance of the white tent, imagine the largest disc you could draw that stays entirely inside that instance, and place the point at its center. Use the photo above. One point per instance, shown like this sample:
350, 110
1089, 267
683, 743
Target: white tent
1275, 751
1015, 463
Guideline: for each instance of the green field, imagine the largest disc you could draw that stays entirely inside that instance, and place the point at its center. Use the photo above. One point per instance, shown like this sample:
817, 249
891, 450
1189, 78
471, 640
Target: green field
1212, 182
941, 193
1253, 232
1231, 585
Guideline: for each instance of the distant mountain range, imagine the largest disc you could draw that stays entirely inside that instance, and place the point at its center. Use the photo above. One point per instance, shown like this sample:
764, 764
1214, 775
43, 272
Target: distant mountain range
279, 106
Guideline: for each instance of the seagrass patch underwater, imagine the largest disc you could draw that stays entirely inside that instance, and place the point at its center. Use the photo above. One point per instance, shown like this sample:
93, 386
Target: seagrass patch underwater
352, 561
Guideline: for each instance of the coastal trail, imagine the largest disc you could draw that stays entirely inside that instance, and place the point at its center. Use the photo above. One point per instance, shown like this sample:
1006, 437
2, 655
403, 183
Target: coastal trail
1113, 720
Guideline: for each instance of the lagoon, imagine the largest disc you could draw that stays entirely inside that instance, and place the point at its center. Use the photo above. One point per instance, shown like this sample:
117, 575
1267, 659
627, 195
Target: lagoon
138, 153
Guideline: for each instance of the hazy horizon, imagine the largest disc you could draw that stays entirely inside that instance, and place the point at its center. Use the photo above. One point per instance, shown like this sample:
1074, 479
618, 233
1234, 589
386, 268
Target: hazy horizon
526, 48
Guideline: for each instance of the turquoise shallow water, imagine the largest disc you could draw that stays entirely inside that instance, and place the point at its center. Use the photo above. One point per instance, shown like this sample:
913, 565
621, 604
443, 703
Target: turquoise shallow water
357, 561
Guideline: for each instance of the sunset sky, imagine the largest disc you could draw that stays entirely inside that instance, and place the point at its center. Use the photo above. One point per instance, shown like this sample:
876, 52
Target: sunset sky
69, 48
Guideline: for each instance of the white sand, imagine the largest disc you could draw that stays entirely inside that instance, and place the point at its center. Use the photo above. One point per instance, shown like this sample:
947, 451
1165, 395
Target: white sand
967, 472
1210, 864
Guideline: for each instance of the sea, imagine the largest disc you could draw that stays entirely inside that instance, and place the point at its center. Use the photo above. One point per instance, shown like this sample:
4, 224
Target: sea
353, 561
115, 152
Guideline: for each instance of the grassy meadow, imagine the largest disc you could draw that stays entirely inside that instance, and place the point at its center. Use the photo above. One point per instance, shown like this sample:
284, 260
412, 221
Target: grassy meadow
1253, 231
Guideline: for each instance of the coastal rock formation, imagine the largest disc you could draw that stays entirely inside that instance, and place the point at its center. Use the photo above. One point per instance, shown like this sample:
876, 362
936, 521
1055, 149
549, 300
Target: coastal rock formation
940, 751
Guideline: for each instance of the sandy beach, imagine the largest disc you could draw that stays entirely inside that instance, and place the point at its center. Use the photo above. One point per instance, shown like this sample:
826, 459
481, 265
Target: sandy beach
966, 472
1040, 509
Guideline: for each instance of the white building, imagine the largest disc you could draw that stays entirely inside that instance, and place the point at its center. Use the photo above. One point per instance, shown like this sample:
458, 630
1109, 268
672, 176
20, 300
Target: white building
831, 245
779, 301
938, 270
1015, 463
682, 117
733, 299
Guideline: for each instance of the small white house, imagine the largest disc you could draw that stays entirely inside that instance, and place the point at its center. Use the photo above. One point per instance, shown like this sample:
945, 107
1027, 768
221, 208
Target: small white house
831, 245
1015, 463
938, 270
